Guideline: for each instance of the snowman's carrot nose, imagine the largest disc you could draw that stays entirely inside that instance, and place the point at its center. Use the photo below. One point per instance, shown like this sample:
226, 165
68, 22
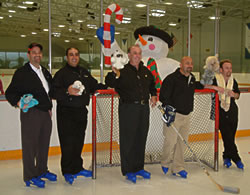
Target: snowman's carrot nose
143, 41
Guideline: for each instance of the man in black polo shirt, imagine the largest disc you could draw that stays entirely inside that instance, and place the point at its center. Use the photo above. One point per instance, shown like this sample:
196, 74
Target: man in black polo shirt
177, 92
72, 113
134, 83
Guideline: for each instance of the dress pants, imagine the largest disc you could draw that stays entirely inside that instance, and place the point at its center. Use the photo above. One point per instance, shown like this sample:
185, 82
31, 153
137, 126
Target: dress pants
133, 124
228, 125
71, 124
36, 128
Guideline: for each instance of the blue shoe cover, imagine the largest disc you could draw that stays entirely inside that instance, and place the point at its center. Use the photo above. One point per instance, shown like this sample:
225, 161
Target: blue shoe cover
36, 182
69, 178
131, 177
164, 169
182, 174
144, 174
240, 165
227, 162
28, 99
85, 173
48, 175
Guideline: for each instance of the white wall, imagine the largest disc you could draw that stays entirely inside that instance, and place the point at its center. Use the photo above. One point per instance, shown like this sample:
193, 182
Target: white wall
10, 137
244, 111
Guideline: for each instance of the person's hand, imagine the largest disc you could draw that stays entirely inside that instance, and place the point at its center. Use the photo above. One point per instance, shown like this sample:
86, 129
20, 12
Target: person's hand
73, 91
230, 93
116, 71
169, 116
219, 89
50, 113
153, 101
24, 106
27, 101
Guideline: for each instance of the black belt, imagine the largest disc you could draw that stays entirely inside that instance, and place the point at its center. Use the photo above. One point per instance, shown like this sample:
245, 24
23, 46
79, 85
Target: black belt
141, 102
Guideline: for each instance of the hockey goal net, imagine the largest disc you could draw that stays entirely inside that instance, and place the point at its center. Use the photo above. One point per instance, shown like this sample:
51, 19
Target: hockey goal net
203, 134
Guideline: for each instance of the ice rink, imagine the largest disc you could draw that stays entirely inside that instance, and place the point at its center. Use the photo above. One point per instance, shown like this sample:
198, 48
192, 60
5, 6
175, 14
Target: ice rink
110, 181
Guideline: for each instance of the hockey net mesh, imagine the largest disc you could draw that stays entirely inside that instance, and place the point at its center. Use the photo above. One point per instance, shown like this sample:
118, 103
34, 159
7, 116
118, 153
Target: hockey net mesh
202, 136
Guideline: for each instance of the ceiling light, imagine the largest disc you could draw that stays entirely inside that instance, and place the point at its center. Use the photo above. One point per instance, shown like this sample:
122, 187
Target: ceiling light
169, 3
22, 7
56, 34
45, 29
93, 26
1, 17
213, 18
28, 2
10, 16
95, 36
126, 20
157, 15
67, 41
79, 20
158, 12
81, 39
33, 33
141, 5
12, 11
22, 35
195, 4
117, 33
172, 24
61, 25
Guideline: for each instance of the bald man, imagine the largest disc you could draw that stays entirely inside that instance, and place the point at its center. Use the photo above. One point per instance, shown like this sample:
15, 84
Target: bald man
177, 93
136, 87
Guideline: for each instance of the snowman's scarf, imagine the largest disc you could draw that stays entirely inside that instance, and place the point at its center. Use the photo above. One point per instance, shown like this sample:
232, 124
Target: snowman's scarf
152, 66
225, 99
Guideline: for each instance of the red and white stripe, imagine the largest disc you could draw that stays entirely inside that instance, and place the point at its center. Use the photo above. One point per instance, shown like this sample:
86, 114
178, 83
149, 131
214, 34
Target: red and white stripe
106, 33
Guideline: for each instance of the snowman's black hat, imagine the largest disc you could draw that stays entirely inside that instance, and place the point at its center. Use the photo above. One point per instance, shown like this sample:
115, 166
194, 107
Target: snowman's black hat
152, 30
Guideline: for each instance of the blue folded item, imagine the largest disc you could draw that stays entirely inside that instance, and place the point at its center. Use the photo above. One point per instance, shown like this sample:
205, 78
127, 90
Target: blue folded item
99, 33
29, 100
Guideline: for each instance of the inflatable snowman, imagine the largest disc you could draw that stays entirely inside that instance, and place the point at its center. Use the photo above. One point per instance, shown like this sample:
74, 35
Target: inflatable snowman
155, 44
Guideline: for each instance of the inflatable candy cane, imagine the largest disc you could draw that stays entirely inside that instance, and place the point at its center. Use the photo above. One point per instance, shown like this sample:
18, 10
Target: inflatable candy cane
106, 33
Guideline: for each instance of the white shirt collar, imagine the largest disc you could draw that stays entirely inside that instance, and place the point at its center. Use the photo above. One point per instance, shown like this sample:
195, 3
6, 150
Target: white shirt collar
35, 68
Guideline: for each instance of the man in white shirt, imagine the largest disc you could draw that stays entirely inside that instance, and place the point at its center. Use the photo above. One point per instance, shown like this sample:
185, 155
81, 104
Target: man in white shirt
36, 123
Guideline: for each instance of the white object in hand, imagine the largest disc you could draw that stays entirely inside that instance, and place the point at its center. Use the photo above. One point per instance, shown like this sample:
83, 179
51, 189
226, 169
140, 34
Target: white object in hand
78, 85
119, 59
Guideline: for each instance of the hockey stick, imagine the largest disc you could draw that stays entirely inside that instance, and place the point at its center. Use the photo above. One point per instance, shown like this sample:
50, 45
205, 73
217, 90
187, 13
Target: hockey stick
233, 190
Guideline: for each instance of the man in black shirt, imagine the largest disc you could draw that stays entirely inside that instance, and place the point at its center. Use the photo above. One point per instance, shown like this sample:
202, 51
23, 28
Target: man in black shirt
36, 123
72, 113
177, 91
228, 90
134, 83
